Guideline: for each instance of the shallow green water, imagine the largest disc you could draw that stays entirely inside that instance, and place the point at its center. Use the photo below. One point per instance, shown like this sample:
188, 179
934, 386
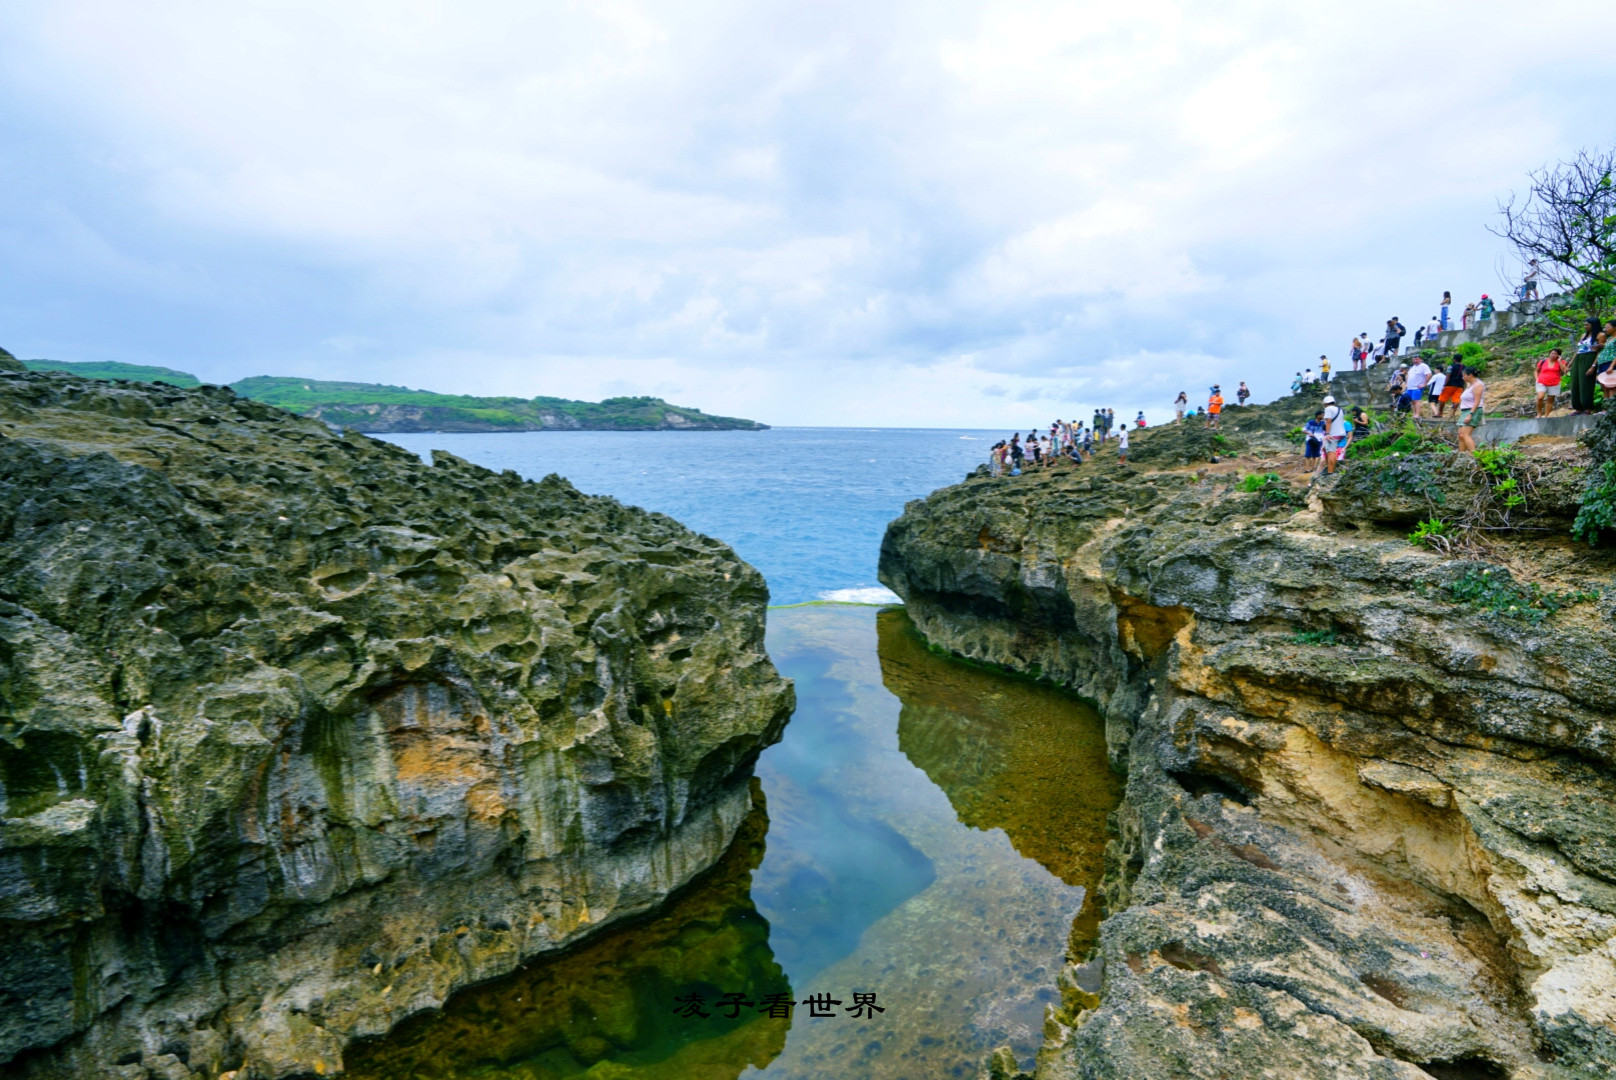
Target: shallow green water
925, 832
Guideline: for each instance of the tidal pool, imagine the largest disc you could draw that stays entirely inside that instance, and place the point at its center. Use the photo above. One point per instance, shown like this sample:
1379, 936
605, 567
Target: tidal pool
926, 832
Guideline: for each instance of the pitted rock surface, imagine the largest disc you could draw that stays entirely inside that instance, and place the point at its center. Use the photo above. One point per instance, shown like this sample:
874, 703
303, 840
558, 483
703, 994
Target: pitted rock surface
299, 734
1387, 853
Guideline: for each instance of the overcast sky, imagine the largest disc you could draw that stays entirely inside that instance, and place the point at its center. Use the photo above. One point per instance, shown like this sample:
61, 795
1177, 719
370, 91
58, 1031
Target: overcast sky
870, 213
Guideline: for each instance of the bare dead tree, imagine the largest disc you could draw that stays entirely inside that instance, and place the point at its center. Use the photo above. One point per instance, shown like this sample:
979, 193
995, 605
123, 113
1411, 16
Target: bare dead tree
1567, 222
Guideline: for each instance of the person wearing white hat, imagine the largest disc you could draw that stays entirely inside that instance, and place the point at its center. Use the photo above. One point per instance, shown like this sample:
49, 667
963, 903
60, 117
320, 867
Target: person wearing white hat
1335, 430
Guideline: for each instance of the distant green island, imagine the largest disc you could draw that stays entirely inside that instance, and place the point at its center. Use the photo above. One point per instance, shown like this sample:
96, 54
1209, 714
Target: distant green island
374, 407
111, 369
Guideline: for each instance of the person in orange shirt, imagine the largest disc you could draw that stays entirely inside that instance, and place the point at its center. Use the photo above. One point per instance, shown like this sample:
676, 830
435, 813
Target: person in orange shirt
1213, 407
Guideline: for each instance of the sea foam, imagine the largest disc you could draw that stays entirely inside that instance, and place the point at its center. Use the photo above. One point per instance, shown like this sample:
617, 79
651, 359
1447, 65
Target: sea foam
877, 594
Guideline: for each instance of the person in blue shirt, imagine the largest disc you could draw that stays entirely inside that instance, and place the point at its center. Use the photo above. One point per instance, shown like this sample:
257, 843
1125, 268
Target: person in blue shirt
1313, 448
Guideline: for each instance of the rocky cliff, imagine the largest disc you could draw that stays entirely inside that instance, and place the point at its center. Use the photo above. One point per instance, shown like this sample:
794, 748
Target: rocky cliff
1369, 827
299, 734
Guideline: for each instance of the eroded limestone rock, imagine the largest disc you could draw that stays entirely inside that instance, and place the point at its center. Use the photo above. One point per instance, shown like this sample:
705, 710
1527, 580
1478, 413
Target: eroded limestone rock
300, 734
1367, 830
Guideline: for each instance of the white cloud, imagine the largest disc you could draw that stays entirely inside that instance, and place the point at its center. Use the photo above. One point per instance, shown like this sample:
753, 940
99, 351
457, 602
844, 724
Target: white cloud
898, 212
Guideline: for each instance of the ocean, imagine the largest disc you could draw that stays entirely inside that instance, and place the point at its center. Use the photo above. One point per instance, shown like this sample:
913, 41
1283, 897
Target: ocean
806, 506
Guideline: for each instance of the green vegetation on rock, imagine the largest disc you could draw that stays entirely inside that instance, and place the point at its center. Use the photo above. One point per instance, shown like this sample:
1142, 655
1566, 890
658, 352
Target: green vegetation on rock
1330, 860
378, 408
113, 369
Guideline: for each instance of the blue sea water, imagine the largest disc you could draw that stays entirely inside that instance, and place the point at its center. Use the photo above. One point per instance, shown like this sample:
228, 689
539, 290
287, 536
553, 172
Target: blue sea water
806, 506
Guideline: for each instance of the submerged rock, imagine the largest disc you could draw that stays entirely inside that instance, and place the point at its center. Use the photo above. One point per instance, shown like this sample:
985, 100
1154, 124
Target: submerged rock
299, 734
1368, 828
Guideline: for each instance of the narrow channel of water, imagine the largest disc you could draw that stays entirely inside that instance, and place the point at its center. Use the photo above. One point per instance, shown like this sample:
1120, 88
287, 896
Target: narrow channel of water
925, 832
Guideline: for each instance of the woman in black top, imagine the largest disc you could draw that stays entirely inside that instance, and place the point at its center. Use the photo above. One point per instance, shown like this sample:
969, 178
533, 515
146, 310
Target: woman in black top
1582, 369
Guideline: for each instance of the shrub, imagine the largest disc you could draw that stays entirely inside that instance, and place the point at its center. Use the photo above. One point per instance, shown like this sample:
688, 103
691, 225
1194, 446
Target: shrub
1270, 488
1496, 462
1494, 592
1597, 515
1430, 533
1403, 437
1474, 356
1314, 637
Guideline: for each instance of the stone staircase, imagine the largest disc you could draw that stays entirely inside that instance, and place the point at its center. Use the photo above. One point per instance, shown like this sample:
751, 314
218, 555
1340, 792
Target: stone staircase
1517, 314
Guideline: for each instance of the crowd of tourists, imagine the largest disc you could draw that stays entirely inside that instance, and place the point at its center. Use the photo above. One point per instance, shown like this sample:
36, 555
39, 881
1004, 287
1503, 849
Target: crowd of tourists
1419, 387
1067, 442
1074, 442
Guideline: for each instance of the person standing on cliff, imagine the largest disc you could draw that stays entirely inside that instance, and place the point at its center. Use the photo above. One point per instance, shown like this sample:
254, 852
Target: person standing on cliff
1414, 391
1452, 388
1122, 445
1335, 431
1394, 335
1241, 395
1447, 304
1324, 368
1017, 454
1470, 406
1180, 403
1437, 386
1357, 354
1551, 371
1313, 444
1582, 369
1214, 408
1468, 316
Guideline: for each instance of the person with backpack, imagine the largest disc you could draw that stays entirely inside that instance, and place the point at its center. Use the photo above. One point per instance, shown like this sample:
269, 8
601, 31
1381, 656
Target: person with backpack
1551, 370
1335, 431
1241, 395
1394, 335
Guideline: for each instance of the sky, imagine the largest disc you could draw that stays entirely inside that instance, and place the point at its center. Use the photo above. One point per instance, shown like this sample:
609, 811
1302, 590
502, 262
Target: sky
872, 213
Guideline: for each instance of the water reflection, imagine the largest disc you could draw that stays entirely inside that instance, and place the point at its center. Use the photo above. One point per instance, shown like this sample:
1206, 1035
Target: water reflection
1011, 754
836, 865
603, 1010
932, 831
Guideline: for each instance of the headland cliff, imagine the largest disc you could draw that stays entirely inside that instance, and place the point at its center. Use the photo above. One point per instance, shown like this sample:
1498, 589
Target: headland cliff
299, 734
1369, 827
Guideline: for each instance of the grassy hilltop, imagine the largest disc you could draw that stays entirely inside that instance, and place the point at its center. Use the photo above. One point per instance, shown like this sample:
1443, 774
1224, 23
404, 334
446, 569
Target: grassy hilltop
375, 407
112, 369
